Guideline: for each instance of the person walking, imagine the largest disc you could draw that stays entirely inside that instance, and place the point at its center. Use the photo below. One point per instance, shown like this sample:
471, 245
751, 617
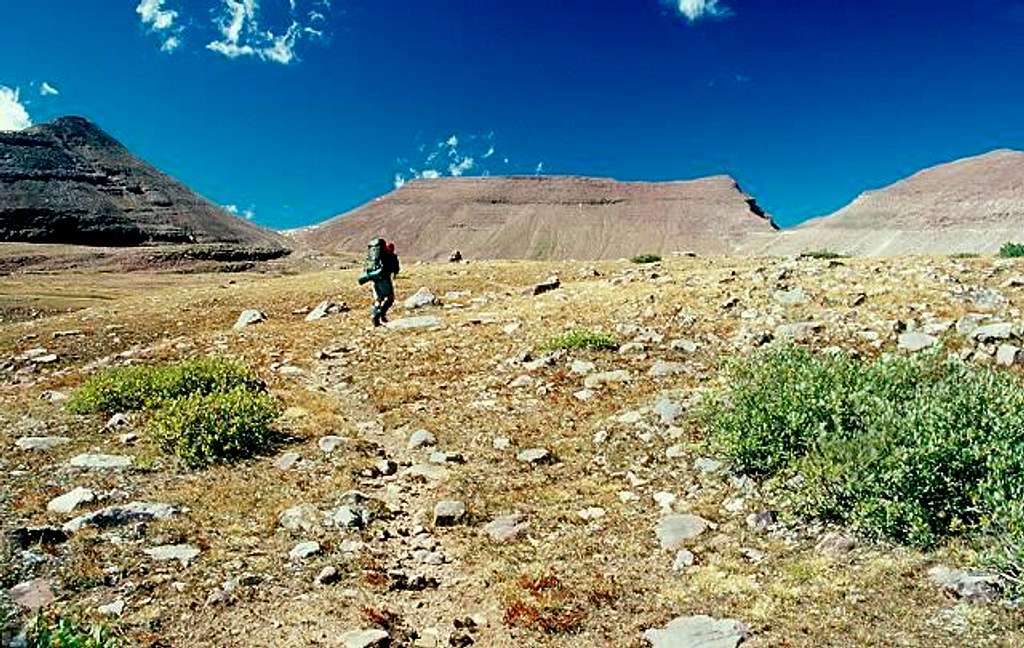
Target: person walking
380, 268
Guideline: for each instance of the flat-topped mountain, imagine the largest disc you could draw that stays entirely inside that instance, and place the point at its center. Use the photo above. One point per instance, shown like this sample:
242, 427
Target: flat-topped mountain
970, 205
69, 182
548, 217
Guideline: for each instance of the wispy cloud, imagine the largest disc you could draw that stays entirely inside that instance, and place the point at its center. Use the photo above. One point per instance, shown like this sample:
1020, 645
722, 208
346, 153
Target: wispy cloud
241, 33
247, 214
48, 90
161, 20
457, 155
694, 10
13, 115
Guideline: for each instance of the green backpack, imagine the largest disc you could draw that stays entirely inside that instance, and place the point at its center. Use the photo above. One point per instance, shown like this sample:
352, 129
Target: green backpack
374, 256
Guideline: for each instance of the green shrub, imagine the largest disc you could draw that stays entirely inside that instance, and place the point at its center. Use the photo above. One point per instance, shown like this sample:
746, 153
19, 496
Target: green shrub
646, 258
204, 428
1011, 250
911, 448
964, 255
581, 338
823, 254
61, 632
139, 387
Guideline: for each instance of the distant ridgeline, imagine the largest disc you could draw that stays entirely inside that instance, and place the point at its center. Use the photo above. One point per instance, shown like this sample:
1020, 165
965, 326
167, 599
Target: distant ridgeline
69, 182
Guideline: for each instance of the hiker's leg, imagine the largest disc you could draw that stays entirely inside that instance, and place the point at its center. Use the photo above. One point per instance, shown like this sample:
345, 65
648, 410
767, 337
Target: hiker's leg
385, 305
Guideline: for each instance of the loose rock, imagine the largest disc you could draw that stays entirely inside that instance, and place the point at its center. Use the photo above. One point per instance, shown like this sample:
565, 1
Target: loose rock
673, 531
698, 632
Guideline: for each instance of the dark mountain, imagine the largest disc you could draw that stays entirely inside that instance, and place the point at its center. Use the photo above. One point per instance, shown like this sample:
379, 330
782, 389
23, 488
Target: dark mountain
69, 182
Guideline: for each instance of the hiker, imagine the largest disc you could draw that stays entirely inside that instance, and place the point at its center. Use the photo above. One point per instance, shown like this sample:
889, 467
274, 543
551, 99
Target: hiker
380, 268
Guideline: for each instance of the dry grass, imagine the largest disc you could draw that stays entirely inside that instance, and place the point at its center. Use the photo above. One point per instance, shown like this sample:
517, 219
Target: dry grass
570, 582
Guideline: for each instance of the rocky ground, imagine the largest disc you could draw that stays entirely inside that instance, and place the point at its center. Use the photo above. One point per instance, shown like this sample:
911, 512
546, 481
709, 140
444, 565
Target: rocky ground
444, 482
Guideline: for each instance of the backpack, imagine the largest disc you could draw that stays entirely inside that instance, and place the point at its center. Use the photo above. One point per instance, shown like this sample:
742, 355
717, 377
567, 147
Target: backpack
374, 256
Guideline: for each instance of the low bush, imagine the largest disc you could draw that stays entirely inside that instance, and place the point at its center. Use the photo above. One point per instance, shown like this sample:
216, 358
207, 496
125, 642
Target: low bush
1011, 250
60, 632
646, 258
823, 254
964, 255
137, 387
581, 338
912, 448
205, 428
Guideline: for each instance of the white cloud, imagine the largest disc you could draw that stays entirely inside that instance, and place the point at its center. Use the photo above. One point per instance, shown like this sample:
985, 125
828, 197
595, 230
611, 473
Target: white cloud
247, 214
242, 35
463, 165
694, 10
430, 174
399, 181
47, 90
489, 152
540, 169
13, 115
161, 20
452, 141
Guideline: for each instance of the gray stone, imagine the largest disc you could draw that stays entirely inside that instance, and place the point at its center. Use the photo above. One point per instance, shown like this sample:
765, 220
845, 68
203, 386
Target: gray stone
707, 465
914, 342
330, 443
116, 421
304, 550
112, 609
427, 471
592, 513
598, 380
449, 513
684, 346
100, 461
71, 500
287, 461
122, 514
506, 528
993, 332
698, 632
446, 456
421, 438
668, 411
373, 638
632, 348
1009, 355
970, 585
836, 543
249, 317
762, 521
420, 299
673, 531
304, 517
664, 369
581, 367
798, 331
183, 553
535, 456
40, 443
684, 558
322, 310
349, 516
409, 323
792, 297
53, 396
327, 576
32, 595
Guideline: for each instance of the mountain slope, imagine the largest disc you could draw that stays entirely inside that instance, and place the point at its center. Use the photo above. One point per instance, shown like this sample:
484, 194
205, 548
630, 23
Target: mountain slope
548, 217
970, 205
69, 182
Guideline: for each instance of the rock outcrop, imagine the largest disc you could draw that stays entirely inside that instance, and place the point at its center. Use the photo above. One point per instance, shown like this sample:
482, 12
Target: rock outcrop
548, 217
69, 182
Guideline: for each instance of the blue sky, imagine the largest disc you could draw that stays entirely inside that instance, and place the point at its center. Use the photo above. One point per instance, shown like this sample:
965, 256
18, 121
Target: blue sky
297, 110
